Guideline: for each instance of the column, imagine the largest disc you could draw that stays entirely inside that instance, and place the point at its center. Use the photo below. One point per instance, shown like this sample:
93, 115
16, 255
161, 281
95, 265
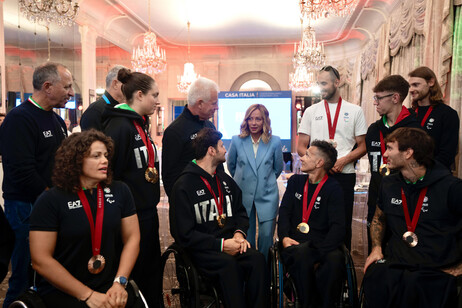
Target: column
88, 41
2, 60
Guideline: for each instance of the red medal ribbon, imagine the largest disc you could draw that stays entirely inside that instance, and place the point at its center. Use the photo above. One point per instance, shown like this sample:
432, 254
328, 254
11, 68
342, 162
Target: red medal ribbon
427, 114
96, 230
382, 147
412, 225
220, 194
307, 211
149, 146
332, 128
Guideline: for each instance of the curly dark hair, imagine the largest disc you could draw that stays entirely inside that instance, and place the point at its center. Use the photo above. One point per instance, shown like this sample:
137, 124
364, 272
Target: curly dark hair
69, 159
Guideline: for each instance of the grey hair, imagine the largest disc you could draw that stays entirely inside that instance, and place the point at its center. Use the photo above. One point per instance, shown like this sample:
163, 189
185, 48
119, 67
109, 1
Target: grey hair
112, 74
46, 72
200, 90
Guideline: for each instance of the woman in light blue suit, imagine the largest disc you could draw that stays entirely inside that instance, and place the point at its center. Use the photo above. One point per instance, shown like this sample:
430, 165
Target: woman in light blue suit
255, 162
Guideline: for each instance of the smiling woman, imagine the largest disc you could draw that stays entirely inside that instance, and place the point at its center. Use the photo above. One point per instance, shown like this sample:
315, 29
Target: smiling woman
77, 254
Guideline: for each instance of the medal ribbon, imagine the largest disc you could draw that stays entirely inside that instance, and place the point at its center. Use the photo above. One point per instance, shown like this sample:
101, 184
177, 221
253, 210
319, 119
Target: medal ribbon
412, 225
332, 128
149, 146
96, 230
220, 194
307, 211
427, 114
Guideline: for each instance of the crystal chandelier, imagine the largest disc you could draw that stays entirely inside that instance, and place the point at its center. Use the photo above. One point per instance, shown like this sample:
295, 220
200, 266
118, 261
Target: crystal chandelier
60, 12
149, 59
309, 52
302, 80
315, 9
188, 77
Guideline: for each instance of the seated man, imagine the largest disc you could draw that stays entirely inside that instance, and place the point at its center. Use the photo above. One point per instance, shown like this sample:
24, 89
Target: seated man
208, 219
311, 226
421, 207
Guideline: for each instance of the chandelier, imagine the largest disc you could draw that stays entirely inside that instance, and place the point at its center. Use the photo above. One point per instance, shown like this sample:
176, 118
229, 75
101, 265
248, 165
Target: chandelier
302, 80
189, 76
61, 12
309, 52
315, 9
149, 59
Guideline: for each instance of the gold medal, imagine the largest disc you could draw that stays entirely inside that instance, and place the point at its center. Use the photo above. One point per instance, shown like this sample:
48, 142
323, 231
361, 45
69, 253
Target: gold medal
96, 264
410, 238
221, 219
303, 227
384, 170
151, 175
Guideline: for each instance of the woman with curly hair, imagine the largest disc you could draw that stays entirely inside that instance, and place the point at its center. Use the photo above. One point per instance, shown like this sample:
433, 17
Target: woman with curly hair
255, 162
84, 237
136, 163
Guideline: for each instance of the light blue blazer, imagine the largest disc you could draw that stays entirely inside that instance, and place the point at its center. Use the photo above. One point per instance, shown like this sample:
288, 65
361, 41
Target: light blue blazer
257, 176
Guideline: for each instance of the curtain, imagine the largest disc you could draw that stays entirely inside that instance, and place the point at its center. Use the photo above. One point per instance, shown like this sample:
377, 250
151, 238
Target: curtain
456, 76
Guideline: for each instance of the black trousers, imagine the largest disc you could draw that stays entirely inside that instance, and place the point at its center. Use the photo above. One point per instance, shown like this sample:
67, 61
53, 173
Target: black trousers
147, 272
321, 286
243, 278
391, 285
347, 181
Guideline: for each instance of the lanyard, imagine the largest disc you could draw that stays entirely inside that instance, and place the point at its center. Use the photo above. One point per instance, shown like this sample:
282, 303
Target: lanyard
96, 230
307, 211
332, 128
149, 146
35, 103
412, 225
220, 194
427, 114
106, 99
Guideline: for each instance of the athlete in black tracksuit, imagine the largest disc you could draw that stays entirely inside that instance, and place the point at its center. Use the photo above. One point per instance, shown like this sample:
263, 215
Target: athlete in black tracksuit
193, 225
130, 163
373, 146
443, 126
412, 276
322, 244
176, 146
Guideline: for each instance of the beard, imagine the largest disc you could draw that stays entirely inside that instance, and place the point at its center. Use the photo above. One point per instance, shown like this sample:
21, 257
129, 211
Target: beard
329, 94
421, 96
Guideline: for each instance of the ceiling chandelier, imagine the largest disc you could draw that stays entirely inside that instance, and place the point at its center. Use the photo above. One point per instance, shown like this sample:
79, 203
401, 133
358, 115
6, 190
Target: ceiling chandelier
189, 76
60, 12
309, 52
150, 59
315, 9
303, 79
308, 58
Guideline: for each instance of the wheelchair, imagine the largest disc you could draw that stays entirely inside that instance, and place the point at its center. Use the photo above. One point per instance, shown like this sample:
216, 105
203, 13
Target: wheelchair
182, 284
31, 299
283, 288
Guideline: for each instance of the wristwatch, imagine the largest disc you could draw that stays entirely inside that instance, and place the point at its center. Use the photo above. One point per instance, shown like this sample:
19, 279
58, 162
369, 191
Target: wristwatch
122, 280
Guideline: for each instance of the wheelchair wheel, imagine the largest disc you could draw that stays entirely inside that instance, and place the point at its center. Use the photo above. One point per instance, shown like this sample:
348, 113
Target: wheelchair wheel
29, 299
176, 288
349, 295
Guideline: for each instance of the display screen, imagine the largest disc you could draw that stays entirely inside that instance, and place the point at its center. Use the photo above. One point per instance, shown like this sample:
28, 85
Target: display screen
233, 105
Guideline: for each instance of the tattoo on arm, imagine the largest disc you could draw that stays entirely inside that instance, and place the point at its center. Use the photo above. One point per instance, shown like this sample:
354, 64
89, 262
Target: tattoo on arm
377, 227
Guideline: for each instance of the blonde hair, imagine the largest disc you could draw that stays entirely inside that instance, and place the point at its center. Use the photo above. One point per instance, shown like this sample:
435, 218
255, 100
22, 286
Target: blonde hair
266, 134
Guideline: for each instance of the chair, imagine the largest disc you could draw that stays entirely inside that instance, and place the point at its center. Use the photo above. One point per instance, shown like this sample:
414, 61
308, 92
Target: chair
283, 286
182, 284
31, 299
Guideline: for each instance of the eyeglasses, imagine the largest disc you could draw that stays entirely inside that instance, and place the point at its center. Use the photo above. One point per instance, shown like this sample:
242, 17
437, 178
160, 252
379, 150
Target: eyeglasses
330, 68
378, 98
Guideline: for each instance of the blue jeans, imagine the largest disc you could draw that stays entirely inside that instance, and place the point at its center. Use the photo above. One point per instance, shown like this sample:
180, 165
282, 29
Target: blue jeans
17, 213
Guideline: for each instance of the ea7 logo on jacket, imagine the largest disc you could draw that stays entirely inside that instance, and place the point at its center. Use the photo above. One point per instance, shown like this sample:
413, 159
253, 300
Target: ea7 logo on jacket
47, 134
375, 143
72, 205
396, 201
207, 210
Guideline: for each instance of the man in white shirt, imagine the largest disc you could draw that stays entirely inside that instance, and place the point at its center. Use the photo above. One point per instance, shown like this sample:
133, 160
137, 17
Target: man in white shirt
344, 125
